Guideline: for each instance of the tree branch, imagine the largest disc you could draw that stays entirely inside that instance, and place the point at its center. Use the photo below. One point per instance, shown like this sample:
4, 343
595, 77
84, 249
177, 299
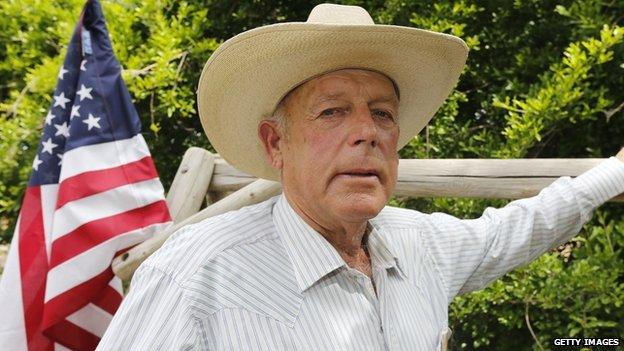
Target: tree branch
528, 323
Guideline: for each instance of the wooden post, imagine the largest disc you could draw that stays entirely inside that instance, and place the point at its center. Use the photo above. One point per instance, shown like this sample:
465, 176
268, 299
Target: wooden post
186, 195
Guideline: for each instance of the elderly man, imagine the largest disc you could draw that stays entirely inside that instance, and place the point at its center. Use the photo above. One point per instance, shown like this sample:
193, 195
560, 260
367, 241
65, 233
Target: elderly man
325, 266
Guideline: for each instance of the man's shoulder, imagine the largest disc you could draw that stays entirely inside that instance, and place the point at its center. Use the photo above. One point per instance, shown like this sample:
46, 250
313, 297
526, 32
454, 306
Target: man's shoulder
398, 218
193, 245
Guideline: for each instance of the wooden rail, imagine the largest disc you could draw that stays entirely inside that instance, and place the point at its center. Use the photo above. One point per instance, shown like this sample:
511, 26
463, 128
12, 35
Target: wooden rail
480, 178
202, 174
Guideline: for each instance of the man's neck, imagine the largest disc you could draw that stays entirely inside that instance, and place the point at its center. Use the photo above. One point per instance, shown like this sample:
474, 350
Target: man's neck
348, 239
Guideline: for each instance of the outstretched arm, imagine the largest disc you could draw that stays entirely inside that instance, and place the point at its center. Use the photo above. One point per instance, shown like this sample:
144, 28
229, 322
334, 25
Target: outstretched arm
469, 254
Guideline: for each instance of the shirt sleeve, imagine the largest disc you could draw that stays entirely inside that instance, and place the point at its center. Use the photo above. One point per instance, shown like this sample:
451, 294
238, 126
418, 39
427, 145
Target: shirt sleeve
469, 254
154, 316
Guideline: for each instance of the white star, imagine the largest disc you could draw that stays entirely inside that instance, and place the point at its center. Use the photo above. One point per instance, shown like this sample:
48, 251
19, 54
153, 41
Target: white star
49, 117
82, 65
36, 163
62, 73
92, 121
74, 112
60, 100
60, 156
62, 129
48, 146
84, 92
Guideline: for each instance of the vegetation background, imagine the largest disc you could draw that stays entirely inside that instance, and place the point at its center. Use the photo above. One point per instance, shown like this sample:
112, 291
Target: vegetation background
544, 79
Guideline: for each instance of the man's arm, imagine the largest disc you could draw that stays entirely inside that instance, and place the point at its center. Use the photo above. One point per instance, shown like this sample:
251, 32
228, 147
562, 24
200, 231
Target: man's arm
153, 316
469, 254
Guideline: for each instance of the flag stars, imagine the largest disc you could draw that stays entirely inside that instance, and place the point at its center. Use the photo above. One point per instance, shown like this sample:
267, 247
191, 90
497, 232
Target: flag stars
82, 65
62, 129
60, 100
92, 121
60, 156
74, 112
84, 92
62, 72
36, 163
49, 117
48, 146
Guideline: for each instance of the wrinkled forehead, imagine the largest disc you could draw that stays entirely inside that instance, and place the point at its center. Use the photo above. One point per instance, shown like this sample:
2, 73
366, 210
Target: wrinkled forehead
314, 79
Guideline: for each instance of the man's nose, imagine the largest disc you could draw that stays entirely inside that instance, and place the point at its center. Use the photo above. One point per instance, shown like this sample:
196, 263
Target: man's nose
363, 129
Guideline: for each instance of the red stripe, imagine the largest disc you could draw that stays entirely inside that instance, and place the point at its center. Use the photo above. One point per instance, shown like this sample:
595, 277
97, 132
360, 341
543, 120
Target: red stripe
94, 182
72, 336
96, 232
109, 300
33, 268
70, 301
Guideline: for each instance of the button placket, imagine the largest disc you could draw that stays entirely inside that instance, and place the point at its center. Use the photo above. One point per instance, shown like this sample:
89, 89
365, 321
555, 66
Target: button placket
366, 285
381, 276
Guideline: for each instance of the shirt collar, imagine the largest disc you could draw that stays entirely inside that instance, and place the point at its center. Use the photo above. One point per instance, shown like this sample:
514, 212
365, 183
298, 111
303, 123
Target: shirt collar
383, 254
313, 257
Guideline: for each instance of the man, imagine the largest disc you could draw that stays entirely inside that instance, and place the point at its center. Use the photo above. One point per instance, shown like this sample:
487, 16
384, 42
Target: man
326, 266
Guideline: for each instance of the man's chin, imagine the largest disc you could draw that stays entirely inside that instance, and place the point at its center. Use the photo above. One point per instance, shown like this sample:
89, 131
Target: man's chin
360, 206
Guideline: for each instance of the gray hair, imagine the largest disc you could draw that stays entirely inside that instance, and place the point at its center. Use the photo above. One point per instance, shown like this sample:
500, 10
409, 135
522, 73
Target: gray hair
279, 117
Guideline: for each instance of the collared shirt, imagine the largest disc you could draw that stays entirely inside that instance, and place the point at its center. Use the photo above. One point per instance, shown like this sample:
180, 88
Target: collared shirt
260, 278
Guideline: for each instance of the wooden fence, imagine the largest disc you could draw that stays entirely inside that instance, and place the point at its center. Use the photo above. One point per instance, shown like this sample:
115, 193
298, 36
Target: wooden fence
204, 178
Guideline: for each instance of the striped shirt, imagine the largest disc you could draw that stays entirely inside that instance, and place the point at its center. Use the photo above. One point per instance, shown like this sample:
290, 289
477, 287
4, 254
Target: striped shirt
260, 278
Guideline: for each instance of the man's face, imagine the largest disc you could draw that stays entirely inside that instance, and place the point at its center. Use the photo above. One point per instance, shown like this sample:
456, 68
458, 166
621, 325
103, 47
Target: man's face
339, 158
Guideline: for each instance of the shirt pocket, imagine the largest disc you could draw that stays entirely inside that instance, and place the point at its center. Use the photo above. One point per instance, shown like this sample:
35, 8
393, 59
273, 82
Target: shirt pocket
443, 339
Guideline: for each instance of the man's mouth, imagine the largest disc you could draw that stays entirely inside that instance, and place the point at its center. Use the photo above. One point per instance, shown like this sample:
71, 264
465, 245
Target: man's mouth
361, 173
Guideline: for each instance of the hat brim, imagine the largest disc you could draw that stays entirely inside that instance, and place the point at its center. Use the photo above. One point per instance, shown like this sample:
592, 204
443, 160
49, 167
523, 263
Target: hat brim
246, 77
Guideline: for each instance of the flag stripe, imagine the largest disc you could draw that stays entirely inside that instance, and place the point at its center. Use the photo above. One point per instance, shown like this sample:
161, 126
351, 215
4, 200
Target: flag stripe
71, 300
109, 300
106, 204
33, 267
103, 156
12, 326
49, 194
72, 336
90, 183
59, 347
96, 232
92, 262
92, 319
116, 283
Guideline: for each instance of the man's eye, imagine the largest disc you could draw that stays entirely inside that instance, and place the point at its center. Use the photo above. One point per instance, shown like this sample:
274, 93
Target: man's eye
383, 114
330, 112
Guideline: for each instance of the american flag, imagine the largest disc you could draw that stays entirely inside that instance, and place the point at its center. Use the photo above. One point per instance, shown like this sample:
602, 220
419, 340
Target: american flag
92, 194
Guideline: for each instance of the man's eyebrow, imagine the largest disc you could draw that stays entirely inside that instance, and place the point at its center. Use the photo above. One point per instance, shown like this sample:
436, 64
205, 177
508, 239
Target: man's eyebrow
324, 98
336, 96
330, 97
392, 99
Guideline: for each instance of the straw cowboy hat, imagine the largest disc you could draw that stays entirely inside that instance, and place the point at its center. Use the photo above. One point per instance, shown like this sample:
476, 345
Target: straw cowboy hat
248, 75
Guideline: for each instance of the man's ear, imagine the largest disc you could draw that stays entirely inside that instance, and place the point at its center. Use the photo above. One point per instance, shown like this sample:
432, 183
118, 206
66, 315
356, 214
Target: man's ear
270, 136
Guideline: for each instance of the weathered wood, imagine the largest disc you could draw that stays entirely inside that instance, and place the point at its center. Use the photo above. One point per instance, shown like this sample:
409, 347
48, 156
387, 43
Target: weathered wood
481, 178
260, 190
186, 195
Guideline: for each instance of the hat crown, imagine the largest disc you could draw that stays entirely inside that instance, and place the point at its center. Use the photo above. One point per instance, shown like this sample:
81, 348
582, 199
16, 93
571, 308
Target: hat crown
339, 14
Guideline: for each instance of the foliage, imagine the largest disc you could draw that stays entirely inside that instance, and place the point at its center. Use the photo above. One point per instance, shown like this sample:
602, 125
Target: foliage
543, 79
